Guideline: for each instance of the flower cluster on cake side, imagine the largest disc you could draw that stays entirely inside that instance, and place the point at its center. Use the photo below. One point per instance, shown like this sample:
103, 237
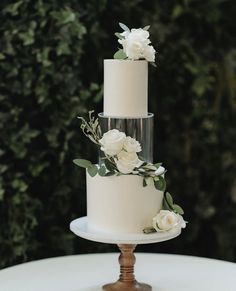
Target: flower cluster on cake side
121, 158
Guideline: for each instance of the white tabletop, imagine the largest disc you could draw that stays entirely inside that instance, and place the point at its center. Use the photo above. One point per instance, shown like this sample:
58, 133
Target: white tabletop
89, 272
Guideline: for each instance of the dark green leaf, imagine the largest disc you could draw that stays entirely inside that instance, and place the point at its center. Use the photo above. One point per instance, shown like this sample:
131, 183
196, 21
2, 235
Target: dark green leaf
110, 174
92, 170
102, 171
149, 230
160, 184
82, 163
165, 205
169, 199
178, 209
109, 165
144, 182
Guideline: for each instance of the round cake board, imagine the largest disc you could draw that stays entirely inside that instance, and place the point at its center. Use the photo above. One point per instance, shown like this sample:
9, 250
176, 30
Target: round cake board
80, 228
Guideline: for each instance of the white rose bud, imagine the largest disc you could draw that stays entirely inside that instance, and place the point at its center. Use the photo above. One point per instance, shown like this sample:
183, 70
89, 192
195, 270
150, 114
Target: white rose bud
166, 220
112, 142
132, 145
126, 162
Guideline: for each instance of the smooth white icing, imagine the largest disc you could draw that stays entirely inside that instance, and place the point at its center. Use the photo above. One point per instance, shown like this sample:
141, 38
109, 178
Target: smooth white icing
125, 88
121, 204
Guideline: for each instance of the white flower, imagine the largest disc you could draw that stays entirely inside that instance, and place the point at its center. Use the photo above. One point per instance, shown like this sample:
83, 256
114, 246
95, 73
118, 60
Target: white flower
136, 45
166, 220
126, 162
112, 142
149, 53
132, 145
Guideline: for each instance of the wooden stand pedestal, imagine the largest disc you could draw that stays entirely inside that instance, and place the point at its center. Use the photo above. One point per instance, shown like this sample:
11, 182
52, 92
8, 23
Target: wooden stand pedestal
127, 280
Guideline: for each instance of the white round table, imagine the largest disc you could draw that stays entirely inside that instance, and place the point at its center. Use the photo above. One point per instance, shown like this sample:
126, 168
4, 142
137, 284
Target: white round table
89, 272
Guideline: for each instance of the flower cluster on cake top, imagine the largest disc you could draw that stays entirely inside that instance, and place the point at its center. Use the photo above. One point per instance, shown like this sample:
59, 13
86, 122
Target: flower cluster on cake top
136, 44
121, 158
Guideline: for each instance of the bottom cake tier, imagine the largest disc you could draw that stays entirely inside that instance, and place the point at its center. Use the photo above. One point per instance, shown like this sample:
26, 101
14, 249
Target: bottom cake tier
121, 204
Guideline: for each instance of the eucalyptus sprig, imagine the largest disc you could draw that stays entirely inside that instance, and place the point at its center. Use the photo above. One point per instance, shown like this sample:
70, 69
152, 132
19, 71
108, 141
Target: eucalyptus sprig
168, 204
91, 128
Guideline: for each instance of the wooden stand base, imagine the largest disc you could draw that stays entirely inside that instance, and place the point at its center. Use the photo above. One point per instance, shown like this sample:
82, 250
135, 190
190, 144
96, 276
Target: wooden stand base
127, 280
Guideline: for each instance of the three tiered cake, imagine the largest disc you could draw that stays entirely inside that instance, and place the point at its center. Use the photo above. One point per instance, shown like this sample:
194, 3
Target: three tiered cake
125, 190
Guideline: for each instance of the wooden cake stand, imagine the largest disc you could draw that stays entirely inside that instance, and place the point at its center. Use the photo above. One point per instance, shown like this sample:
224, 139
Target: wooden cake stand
127, 244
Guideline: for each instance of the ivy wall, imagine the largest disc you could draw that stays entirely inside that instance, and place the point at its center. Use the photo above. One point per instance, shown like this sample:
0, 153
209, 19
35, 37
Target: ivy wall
51, 70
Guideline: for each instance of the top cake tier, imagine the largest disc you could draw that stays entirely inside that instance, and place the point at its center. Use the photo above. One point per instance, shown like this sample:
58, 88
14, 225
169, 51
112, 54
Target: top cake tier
125, 88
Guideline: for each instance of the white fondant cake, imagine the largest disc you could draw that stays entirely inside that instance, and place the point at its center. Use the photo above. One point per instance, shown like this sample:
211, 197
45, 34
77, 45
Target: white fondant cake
125, 88
121, 204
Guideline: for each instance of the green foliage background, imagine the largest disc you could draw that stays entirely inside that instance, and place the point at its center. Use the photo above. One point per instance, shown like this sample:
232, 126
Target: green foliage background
51, 66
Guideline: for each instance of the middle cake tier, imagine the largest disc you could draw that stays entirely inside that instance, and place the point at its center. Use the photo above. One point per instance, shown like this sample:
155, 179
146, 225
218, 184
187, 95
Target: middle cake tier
139, 128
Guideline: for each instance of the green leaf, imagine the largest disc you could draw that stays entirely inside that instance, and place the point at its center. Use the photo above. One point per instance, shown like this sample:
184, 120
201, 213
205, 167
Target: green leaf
92, 170
157, 165
82, 163
160, 184
120, 55
149, 230
124, 27
109, 165
178, 209
169, 199
146, 27
144, 182
165, 205
102, 171
119, 35
111, 173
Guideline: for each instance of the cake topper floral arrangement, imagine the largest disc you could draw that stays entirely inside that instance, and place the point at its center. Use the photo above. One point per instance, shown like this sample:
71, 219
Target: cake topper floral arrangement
121, 157
136, 44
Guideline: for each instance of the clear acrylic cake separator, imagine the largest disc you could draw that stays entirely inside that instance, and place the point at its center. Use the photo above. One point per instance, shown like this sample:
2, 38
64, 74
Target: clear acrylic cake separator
127, 244
140, 128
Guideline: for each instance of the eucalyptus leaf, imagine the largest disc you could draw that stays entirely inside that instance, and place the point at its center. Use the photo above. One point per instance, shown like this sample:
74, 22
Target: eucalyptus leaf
144, 182
149, 230
124, 27
102, 171
146, 27
178, 209
109, 165
120, 55
92, 170
111, 173
160, 184
157, 165
165, 205
169, 199
82, 163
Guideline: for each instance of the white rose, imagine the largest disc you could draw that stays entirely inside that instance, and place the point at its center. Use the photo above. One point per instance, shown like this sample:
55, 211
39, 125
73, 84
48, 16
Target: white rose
149, 53
132, 145
112, 142
126, 162
136, 45
165, 220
